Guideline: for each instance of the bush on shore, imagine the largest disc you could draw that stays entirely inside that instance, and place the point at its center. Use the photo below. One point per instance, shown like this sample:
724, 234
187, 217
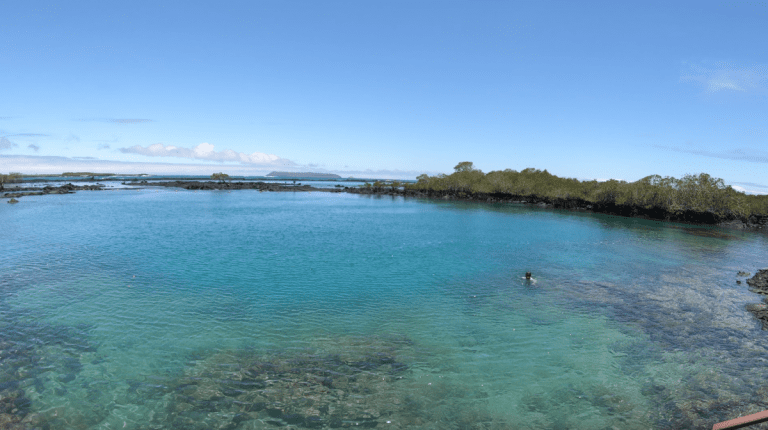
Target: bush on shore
9, 178
663, 196
221, 177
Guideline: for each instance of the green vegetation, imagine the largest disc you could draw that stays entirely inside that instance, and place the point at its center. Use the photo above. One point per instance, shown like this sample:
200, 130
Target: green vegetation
695, 197
379, 186
221, 177
9, 178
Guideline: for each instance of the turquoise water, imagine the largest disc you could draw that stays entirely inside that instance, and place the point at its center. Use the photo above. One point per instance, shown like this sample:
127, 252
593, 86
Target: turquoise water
160, 309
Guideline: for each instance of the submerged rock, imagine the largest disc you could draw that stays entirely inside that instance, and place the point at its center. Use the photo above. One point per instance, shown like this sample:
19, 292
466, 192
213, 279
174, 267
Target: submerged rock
353, 383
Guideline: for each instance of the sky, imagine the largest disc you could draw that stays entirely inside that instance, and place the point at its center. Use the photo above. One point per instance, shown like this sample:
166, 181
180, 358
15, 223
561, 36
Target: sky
390, 89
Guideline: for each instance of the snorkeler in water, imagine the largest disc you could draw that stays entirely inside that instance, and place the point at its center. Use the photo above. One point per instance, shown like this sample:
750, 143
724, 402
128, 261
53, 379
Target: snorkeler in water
529, 279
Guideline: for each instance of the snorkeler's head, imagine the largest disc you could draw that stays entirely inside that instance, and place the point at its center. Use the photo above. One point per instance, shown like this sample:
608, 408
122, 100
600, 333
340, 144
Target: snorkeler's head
527, 275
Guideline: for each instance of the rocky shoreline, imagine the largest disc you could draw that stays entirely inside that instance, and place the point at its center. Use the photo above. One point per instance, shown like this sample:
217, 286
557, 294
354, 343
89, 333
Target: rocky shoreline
754, 223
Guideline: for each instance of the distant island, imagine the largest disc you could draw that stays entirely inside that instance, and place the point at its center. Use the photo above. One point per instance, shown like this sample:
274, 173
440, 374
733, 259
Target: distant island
304, 175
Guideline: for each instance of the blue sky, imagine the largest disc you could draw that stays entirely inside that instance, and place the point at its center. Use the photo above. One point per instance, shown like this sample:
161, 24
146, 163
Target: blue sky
390, 88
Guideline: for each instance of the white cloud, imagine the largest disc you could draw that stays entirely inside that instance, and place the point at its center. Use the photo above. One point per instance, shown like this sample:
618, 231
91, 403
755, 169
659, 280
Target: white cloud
728, 77
749, 190
32, 164
716, 85
205, 151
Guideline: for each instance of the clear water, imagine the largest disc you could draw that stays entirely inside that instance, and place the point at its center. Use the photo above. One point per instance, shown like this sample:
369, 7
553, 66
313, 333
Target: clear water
160, 309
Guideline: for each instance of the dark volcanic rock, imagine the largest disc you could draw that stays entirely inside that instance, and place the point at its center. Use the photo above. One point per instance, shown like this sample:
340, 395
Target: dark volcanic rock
64, 189
760, 311
759, 283
260, 186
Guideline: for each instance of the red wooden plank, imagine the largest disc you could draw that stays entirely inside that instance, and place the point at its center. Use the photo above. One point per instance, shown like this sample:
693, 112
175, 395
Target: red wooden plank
744, 421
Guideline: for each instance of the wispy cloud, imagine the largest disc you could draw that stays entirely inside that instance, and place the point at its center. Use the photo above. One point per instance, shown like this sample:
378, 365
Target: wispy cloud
23, 135
28, 135
103, 146
753, 184
129, 120
205, 151
33, 147
5, 143
117, 120
742, 154
727, 77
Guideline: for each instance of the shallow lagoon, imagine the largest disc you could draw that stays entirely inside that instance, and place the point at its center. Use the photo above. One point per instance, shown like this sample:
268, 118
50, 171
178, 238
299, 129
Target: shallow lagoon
163, 309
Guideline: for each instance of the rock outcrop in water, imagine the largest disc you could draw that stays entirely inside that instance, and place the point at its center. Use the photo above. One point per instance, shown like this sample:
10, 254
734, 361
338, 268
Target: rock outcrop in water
759, 284
37, 191
760, 311
210, 185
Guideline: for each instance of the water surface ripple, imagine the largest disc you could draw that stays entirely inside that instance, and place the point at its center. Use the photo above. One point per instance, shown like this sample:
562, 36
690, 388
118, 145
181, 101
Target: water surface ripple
158, 309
